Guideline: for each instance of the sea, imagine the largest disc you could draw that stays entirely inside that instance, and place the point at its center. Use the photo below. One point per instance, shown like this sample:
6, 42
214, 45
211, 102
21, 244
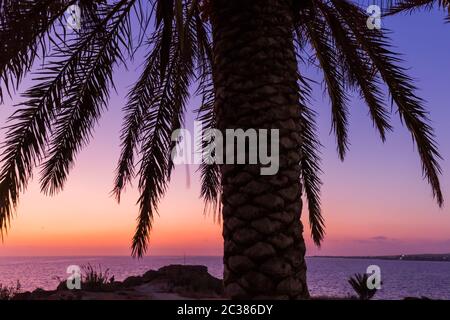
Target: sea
326, 276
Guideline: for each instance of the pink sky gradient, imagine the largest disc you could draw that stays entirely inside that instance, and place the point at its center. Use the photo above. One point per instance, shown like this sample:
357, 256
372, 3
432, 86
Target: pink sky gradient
374, 203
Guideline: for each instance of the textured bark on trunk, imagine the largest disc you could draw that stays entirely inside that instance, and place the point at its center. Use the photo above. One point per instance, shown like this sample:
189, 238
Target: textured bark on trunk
255, 77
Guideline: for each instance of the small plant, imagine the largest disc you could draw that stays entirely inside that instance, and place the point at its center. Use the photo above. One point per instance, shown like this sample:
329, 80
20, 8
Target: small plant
359, 284
8, 293
95, 279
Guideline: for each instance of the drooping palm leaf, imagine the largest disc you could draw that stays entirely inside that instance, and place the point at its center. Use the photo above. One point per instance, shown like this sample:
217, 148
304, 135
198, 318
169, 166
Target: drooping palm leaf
25, 29
27, 135
310, 162
401, 88
140, 97
326, 54
87, 96
359, 69
160, 121
210, 171
410, 6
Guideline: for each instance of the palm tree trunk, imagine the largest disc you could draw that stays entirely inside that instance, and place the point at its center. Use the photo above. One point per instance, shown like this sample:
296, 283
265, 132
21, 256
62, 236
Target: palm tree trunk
255, 78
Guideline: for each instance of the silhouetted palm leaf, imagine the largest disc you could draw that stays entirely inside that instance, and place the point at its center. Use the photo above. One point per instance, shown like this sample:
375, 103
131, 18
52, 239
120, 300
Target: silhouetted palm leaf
410, 6
310, 162
410, 106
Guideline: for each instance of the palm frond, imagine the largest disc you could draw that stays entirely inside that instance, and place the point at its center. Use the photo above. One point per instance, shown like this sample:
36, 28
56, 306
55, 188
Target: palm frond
87, 96
334, 79
210, 171
27, 28
162, 118
164, 16
139, 98
27, 135
359, 69
310, 162
401, 88
409, 6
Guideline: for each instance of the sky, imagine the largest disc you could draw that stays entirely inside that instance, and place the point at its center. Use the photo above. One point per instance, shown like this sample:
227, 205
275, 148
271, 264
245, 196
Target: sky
376, 202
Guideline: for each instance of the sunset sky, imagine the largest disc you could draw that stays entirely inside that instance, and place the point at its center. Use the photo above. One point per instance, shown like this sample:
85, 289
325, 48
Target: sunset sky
376, 202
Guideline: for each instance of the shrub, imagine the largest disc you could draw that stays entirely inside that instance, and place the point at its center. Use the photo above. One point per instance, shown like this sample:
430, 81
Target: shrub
359, 284
94, 279
8, 293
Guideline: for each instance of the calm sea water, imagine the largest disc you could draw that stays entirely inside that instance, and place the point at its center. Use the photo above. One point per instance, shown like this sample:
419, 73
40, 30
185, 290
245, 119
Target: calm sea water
326, 276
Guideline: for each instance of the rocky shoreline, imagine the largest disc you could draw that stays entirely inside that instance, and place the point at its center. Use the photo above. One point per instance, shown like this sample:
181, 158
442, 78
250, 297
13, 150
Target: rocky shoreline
174, 282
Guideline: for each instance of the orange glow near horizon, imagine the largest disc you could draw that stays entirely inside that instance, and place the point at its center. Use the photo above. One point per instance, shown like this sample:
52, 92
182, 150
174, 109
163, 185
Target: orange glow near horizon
83, 220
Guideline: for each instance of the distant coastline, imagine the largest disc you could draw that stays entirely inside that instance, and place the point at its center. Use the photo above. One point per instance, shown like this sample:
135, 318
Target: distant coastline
444, 257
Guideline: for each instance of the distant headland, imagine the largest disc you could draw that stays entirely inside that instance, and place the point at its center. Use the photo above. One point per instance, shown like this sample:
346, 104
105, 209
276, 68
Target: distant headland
407, 257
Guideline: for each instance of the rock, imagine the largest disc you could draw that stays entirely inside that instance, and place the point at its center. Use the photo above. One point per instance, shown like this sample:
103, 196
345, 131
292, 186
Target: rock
62, 286
150, 275
113, 286
23, 296
133, 281
178, 269
190, 281
170, 282
38, 294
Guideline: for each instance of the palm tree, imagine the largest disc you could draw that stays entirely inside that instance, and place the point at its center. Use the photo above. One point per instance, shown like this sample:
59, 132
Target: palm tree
245, 55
